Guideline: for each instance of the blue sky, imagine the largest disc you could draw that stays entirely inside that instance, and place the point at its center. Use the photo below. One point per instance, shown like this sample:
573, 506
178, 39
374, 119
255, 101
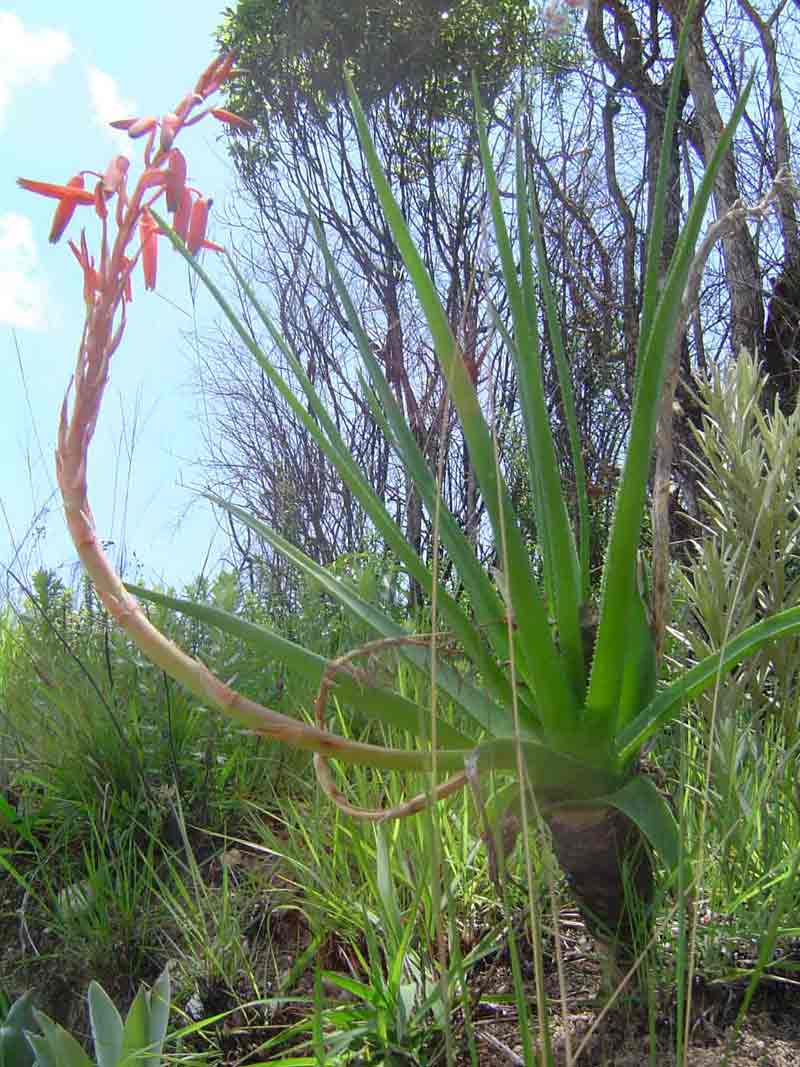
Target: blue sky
65, 71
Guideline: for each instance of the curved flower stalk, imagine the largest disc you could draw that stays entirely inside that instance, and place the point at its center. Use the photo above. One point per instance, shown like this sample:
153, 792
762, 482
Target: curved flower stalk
129, 233
581, 699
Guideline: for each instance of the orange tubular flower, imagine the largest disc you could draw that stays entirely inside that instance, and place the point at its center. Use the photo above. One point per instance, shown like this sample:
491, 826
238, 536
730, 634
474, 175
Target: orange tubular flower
107, 287
170, 124
148, 231
198, 223
216, 74
115, 175
68, 196
74, 189
99, 202
186, 104
176, 179
230, 119
135, 127
180, 222
207, 75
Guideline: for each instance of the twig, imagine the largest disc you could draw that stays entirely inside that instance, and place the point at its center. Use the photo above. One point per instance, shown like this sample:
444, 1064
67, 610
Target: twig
730, 221
501, 1047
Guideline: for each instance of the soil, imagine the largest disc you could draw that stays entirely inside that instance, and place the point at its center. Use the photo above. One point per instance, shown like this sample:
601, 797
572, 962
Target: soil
621, 1036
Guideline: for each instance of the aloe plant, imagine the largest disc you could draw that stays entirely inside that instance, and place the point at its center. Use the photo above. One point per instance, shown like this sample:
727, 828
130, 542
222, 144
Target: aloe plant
138, 1042
563, 702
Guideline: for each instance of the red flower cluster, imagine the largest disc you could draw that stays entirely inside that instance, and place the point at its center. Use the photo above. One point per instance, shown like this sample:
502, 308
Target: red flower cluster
165, 175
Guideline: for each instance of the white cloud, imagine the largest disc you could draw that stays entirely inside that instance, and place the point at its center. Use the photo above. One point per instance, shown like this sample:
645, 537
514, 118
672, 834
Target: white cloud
23, 293
108, 104
27, 57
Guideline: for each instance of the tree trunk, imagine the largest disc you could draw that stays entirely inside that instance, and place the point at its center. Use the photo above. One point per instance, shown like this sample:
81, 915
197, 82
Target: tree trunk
610, 870
739, 250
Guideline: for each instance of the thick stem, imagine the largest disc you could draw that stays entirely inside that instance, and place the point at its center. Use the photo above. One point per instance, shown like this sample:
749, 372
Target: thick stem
610, 870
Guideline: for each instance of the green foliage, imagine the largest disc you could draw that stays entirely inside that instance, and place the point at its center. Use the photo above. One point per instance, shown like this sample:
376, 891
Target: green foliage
75, 694
390, 1016
210, 926
15, 1051
527, 690
375, 945
420, 53
582, 720
101, 752
746, 567
138, 1042
743, 568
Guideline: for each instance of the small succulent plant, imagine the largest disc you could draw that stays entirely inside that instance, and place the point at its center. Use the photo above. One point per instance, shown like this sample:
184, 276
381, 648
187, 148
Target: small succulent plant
139, 1040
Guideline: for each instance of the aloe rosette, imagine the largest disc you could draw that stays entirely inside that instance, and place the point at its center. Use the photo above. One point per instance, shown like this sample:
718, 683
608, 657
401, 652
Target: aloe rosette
565, 705
138, 1040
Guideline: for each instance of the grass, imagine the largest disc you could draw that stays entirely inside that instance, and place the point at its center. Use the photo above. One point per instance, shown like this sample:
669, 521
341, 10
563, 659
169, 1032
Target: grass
136, 830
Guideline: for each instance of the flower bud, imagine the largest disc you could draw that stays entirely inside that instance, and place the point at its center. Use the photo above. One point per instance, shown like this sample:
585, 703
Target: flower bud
176, 178
215, 74
230, 119
116, 172
198, 223
135, 127
170, 124
180, 222
148, 232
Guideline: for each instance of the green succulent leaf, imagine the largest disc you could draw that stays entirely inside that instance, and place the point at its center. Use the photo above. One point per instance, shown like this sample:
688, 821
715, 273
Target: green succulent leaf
540, 663
15, 1049
136, 1033
567, 395
377, 702
489, 614
158, 1002
487, 714
656, 344
490, 618
562, 574
44, 1057
324, 431
702, 676
106, 1027
644, 805
554, 776
640, 671
56, 1047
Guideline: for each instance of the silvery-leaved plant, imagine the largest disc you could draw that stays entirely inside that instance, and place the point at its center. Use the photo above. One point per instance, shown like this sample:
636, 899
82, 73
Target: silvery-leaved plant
562, 693
136, 1042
